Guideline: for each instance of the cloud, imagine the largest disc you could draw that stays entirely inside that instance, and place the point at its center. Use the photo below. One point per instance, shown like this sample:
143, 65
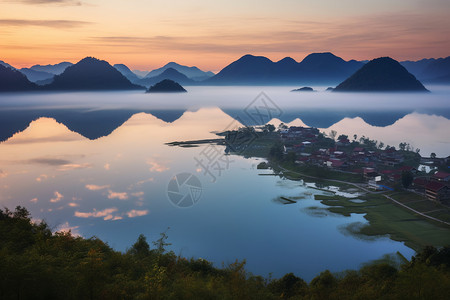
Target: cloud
3, 174
57, 2
156, 166
56, 24
107, 166
151, 179
377, 34
34, 200
138, 194
136, 213
68, 167
48, 161
73, 204
67, 228
112, 218
58, 197
106, 214
41, 177
93, 187
115, 195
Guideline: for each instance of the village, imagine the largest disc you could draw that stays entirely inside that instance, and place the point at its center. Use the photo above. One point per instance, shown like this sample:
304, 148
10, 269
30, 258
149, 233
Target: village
381, 167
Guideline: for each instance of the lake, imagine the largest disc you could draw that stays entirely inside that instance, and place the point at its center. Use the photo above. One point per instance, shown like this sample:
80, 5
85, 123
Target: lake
97, 163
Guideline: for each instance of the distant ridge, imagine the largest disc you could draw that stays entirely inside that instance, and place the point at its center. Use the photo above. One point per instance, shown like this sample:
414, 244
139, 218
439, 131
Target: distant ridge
53, 69
193, 73
316, 68
91, 74
12, 80
430, 70
130, 75
35, 76
382, 74
170, 74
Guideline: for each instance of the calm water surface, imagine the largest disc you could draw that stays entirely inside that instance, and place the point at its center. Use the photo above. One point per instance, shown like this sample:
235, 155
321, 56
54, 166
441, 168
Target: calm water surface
97, 163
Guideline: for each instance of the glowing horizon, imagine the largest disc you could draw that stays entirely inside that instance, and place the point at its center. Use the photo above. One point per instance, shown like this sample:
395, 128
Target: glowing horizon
146, 35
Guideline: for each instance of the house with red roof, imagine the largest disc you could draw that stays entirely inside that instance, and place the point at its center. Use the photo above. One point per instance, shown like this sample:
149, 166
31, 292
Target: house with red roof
441, 176
437, 191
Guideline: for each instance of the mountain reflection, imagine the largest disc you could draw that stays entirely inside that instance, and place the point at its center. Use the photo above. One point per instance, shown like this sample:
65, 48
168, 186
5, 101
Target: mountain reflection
91, 124
94, 124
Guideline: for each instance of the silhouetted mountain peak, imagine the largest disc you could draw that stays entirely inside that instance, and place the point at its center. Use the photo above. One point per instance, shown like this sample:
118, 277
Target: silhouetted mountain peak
91, 73
13, 80
325, 58
381, 74
130, 75
255, 59
287, 61
172, 71
166, 86
6, 65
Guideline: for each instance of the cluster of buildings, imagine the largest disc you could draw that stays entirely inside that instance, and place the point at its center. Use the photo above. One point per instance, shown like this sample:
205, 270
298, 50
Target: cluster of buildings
380, 168
435, 187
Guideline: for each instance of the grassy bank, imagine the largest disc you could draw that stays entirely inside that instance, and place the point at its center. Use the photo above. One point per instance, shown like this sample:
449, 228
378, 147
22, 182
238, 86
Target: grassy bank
387, 218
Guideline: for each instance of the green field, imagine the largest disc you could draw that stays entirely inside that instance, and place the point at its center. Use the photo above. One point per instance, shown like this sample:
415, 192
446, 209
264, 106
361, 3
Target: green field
387, 218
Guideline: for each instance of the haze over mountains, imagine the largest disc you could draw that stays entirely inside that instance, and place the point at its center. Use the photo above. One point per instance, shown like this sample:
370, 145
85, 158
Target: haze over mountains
193, 73
315, 69
182, 74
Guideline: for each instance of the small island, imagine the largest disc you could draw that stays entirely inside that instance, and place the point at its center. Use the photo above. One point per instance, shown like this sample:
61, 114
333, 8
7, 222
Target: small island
166, 86
304, 89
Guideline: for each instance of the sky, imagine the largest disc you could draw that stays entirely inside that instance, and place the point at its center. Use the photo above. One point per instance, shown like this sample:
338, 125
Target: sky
146, 34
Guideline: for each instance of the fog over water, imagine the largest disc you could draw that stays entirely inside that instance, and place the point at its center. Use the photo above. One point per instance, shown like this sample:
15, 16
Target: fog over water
97, 163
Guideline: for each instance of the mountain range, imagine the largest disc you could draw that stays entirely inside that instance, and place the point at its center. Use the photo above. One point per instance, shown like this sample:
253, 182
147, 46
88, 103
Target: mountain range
315, 69
170, 74
193, 73
430, 70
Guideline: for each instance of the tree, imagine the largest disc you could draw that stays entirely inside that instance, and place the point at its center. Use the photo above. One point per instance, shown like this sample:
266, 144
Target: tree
433, 155
161, 243
269, 127
141, 248
333, 134
380, 145
342, 137
407, 179
355, 137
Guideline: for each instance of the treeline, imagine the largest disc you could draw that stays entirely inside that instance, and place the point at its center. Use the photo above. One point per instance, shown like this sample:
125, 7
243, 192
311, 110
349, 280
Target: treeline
38, 264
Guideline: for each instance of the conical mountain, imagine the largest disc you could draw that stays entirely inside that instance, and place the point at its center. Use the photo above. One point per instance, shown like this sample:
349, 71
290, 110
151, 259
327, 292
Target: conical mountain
166, 86
91, 74
14, 81
383, 74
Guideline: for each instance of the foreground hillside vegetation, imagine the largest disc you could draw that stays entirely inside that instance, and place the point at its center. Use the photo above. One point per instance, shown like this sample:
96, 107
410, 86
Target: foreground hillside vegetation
38, 264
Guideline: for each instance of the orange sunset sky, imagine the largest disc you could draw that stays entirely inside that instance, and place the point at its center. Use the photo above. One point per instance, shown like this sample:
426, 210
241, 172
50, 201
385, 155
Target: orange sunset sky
146, 34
